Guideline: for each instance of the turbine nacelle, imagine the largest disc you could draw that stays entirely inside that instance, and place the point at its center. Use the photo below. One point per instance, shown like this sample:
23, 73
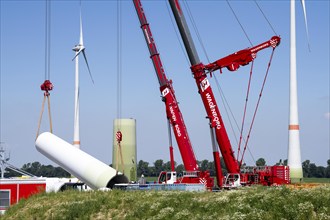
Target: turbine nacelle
78, 48
81, 49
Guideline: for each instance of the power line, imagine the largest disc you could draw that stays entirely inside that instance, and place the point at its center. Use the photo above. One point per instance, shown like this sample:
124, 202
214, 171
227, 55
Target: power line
196, 29
177, 36
239, 22
265, 17
119, 59
47, 38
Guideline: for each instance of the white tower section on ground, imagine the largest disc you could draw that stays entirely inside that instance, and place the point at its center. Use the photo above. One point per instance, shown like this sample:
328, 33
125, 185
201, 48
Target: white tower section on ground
128, 147
294, 156
86, 168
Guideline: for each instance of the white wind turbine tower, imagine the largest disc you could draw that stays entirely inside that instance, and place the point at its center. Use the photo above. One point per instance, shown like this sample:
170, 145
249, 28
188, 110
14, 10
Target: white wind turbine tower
294, 156
78, 49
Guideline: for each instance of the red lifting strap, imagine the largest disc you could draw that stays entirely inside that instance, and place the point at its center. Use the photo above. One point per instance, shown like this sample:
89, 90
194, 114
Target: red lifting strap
46, 86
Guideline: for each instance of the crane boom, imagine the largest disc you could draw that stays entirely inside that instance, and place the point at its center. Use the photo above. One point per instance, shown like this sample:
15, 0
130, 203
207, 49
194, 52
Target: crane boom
199, 70
243, 57
168, 96
204, 89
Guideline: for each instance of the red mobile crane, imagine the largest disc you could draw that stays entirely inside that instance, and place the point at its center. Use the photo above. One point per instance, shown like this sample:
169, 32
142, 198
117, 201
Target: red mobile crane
266, 175
174, 117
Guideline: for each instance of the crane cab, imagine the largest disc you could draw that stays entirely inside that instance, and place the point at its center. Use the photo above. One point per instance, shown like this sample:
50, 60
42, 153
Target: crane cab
167, 177
232, 180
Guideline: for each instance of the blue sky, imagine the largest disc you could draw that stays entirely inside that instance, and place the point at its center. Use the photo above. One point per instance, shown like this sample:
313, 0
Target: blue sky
22, 71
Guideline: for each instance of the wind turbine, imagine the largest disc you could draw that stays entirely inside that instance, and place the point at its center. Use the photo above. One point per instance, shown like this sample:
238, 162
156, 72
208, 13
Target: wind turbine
80, 48
294, 156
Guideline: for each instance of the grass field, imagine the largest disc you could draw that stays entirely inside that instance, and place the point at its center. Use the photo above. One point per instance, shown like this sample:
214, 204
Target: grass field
305, 180
246, 203
316, 180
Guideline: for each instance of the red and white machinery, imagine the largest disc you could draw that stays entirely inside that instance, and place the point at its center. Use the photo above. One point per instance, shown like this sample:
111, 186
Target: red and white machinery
12, 190
269, 175
237, 176
174, 117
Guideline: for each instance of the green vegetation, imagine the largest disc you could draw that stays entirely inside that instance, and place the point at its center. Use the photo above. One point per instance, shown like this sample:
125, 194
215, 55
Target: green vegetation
246, 203
38, 169
310, 170
316, 180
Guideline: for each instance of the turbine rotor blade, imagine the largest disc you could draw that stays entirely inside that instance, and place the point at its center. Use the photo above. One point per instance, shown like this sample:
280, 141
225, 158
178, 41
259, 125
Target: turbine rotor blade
305, 16
90, 74
81, 32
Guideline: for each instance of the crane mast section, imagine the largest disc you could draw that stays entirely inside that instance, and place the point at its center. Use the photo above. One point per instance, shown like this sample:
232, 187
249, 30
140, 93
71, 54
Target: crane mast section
154, 55
168, 95
214, 115
184, 31
205, 90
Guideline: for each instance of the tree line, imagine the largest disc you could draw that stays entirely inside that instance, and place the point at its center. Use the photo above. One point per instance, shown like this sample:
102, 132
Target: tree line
309, 169
38, 169
153, 170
